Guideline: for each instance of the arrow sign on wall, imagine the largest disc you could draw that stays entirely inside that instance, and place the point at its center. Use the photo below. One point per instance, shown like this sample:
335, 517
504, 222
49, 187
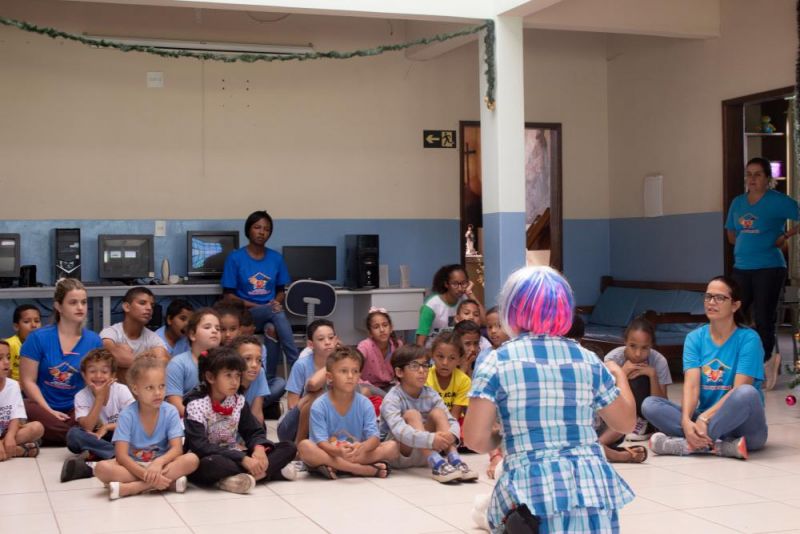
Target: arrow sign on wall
438, 138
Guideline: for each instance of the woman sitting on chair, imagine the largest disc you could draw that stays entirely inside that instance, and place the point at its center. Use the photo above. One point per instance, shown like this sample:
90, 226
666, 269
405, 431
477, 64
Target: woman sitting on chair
257, 276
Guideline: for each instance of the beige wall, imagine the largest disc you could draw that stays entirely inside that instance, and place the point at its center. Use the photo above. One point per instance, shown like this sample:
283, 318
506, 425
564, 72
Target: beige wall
665, 97
324, 139
565, 81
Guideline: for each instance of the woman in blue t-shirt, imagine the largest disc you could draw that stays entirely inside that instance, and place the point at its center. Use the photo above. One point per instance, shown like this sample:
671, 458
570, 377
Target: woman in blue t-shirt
257, 277
756, 226
723, 406
50, 362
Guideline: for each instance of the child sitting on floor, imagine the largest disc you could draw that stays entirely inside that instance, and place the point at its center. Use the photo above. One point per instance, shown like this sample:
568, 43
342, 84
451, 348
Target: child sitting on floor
646, 368
220, 429
131, 337
471, 310
254, 383
97, 408
203, 333
25, 320
344, 435
173, 333
468, 335
497, 336
378, 348
229, 322
147, 441
416, 417
270, 355
445, 377
17, 438
307, 381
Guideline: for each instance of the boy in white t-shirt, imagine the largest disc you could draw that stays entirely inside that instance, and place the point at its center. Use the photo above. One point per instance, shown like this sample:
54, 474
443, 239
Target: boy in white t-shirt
131, 337
17, 438
97, 408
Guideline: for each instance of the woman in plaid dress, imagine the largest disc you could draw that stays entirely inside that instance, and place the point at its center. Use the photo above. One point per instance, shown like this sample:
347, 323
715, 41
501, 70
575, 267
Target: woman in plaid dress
545, 389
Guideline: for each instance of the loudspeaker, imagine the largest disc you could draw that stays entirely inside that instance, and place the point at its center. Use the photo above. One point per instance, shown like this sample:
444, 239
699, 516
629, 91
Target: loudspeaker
27, 276
67, 253
361, 261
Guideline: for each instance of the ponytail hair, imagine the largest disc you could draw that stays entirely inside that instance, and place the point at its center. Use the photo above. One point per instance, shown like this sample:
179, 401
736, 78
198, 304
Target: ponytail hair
63, 287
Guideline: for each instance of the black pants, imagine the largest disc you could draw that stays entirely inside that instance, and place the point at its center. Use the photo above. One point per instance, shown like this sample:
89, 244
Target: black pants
761, 290
215, 467
640, 387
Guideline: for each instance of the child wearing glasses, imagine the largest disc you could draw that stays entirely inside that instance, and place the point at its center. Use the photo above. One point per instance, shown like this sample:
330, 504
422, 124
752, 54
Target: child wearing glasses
415, 416
450, 286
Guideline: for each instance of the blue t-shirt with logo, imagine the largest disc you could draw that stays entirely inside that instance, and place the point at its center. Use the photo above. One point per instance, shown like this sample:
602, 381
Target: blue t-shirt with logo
758, 226
742, 353
357, 425
182, 374
59, 377
254, 280
141, 446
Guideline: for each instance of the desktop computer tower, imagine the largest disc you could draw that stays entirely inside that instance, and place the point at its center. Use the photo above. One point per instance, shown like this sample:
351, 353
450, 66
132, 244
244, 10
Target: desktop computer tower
361, 261
67, 253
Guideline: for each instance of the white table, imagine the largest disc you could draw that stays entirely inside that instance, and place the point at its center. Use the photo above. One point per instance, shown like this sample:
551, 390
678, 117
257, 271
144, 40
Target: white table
352, 306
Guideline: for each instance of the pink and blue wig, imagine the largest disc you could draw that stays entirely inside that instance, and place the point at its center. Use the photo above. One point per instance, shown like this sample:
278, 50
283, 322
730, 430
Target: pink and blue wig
537, 300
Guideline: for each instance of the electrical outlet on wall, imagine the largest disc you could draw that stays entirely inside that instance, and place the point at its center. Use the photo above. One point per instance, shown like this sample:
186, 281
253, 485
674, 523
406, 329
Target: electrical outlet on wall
161, 229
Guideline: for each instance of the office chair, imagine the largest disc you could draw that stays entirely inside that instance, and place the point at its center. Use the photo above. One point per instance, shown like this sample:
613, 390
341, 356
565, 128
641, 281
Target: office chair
310, 299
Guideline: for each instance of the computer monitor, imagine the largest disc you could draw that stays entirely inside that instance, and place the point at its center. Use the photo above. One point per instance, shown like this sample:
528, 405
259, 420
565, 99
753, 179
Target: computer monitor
206, 252
315, 263
125, 257
9, 258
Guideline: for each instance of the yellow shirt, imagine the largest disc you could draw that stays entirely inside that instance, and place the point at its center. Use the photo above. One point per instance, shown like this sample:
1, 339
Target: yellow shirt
14, 344
455, 394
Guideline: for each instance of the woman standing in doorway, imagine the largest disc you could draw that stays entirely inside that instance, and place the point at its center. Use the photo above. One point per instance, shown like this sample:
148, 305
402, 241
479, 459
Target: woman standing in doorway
756, 226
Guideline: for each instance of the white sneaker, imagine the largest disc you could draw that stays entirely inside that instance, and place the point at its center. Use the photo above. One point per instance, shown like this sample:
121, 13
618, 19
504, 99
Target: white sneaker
241, 483
180, 484
113, 491
289, 471
639, 431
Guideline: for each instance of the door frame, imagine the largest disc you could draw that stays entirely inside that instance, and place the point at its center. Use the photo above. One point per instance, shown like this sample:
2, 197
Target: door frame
733, 140
556, 192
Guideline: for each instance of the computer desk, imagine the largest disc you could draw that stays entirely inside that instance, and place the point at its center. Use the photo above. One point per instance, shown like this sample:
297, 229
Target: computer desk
352, 306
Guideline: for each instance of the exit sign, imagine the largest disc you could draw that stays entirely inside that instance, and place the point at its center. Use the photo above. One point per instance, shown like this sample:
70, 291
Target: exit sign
438, 138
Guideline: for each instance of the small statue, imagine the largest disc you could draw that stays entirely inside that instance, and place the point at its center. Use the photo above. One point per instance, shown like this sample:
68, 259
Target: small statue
766, 125
469, 237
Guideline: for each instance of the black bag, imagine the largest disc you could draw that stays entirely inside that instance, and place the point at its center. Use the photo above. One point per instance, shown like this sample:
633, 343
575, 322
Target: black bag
521, 521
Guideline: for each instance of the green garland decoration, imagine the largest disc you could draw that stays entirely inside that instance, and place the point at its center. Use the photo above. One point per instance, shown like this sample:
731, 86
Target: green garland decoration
252, 58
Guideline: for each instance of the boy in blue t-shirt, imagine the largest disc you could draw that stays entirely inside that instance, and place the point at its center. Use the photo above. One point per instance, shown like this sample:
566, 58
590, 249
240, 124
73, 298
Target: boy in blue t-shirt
307, 381
343, 427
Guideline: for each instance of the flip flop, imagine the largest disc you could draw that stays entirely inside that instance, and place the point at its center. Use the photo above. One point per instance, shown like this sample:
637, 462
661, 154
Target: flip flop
324, 471
633, 450
381, 466
30, 450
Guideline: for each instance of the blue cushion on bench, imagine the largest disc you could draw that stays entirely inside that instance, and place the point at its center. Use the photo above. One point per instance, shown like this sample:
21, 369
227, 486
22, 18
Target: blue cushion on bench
657, 300
615, 307
611, 334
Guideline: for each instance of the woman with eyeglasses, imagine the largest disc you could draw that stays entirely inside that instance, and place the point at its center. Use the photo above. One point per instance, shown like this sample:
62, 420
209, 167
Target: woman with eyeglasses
450, 286
756, 226
546, 389
722, 411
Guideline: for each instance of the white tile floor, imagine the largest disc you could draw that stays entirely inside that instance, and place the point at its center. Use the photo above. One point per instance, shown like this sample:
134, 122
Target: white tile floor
687, 495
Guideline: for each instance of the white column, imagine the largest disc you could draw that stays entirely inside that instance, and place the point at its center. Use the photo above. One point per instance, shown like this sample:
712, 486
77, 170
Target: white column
503, 159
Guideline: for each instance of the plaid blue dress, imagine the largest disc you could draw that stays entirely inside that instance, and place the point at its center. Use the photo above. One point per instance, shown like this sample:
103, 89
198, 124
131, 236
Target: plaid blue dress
547, 390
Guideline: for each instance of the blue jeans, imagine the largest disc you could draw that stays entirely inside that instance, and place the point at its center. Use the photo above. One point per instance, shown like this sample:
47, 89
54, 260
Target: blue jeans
263, 314
79, 440
742, 415
277, 386
287, 428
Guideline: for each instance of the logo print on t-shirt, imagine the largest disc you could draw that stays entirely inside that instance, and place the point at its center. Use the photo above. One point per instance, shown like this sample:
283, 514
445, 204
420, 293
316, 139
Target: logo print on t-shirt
747, 221
714, 371
259, 282
61, 373
145, 455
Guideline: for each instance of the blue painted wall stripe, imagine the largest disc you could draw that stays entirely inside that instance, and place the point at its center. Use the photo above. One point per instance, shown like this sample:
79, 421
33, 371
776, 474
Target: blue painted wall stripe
504, 241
